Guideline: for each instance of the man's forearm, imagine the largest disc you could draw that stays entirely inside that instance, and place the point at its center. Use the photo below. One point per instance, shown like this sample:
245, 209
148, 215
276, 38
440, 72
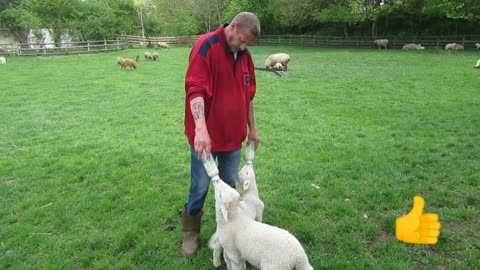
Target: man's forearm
197, 106
251, 118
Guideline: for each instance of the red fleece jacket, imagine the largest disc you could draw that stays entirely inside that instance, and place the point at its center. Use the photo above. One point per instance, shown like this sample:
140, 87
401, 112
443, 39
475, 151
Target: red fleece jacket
227, 87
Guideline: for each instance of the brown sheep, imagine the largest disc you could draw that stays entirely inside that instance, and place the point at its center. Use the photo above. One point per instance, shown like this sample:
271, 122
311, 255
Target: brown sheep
155, 56
148, 56
127, 62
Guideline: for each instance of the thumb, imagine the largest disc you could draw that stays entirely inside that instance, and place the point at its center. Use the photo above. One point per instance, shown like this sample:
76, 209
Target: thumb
418, 205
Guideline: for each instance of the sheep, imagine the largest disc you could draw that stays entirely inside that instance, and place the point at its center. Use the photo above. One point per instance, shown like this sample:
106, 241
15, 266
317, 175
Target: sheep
381, 43
281, 58
243, 239
148, 56
251, 198
278, 66
478, 64
120, 61
412, 46
458, 47
155, 56
477, 45
127, 62
163, 44
450, 46
3, 61
137, 58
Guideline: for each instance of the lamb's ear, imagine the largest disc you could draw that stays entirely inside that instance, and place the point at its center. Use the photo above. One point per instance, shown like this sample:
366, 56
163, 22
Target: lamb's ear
224, 209
246, 184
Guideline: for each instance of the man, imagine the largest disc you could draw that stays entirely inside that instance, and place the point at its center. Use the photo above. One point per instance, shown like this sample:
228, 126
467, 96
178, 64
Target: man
220, 86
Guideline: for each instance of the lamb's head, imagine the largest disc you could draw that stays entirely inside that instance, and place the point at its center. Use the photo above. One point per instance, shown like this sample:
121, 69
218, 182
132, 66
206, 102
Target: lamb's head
278, 66
420, 47
226, 200
246, 176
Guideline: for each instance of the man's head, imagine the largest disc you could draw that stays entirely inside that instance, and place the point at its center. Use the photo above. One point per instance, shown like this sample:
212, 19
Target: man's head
242, 31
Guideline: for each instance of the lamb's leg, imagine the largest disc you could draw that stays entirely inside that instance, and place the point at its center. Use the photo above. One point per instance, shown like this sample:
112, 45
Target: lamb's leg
214, 244
234, 261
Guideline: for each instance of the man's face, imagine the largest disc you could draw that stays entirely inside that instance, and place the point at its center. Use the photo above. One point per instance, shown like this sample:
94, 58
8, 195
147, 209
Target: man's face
240, 39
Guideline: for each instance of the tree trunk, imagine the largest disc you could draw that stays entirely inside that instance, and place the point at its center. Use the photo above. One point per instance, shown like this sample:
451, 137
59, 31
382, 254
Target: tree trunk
345, 30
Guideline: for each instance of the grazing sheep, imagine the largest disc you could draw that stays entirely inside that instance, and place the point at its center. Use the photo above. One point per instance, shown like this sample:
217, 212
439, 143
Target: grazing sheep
243, 239
450, 46
477, 45
163, 45
381, 43
3, 60
148, 56
478, 64
155, 56
281, 58
458, 47
120, 61
127, 62
412, 46
137, 58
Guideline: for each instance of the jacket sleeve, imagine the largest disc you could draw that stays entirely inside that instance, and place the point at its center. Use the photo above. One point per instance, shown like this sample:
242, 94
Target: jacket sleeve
198, 77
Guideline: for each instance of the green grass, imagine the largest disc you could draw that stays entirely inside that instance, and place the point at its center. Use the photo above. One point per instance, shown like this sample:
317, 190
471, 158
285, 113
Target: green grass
94, 163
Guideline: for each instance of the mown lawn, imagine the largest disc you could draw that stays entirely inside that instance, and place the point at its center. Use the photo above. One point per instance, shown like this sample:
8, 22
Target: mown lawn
94, 164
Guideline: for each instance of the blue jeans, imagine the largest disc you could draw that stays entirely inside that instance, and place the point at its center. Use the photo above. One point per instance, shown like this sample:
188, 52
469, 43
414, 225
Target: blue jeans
228, 165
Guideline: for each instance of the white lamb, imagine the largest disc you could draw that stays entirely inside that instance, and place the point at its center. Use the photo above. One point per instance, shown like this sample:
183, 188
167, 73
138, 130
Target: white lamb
243, 239
477, 45
251, 198
478, 64
3, 60
381, 43
413, 46
281, 58
278, 66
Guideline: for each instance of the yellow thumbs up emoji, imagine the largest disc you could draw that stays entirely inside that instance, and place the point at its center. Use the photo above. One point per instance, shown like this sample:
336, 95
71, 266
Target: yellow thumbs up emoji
417, 227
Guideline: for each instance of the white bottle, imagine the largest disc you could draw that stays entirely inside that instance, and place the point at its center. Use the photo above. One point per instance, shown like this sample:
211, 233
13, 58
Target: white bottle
210, 166
250, 155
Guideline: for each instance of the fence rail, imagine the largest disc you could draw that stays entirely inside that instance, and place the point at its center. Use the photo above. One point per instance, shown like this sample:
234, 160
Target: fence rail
79, 47
432, 42
153, 41
123, 41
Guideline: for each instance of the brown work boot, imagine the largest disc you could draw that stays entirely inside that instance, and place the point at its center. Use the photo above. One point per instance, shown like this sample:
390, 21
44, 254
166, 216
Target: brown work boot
190, 232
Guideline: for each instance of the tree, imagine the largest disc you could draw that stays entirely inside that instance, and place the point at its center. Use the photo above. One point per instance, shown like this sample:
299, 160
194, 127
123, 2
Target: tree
19, 20
55, 15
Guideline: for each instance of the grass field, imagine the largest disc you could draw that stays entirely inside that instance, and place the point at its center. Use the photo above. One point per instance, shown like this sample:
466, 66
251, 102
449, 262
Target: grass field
94, 163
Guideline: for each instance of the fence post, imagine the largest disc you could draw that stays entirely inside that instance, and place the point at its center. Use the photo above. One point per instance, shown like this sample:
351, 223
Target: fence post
118, 45
88, 45
105, 43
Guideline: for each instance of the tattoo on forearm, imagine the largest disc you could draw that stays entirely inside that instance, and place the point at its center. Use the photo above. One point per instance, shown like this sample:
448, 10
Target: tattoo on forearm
197, 110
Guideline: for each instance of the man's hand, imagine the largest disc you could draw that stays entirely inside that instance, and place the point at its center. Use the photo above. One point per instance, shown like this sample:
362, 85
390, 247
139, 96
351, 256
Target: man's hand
202, 142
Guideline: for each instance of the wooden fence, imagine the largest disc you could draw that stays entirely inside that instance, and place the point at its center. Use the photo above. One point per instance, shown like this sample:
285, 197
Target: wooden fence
123, 41
153, 41
45, 49
432, 42
340, 42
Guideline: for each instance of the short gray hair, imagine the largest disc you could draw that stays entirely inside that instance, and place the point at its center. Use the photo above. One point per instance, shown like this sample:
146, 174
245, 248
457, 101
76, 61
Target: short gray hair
248, 21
